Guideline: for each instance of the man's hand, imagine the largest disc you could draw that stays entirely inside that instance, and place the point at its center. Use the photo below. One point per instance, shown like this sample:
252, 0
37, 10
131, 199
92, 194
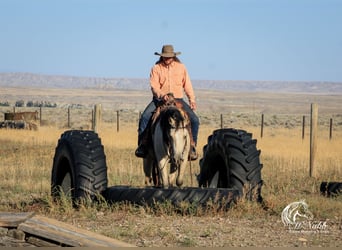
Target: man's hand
193, 105
167, 97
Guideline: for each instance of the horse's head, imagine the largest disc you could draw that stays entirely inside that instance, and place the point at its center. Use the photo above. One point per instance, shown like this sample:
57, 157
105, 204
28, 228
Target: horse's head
174, 122
172, 143
173, 118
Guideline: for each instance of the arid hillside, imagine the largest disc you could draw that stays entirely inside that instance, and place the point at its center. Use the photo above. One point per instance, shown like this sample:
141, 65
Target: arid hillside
240, 103
74, 82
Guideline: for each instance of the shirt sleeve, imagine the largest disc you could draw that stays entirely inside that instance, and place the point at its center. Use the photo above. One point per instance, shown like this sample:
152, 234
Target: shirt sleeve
154, 82
188, 89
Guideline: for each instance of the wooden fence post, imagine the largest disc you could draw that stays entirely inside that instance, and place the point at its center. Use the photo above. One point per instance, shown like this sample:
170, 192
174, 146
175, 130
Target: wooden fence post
97, 117
40, 115
221, 121
117, 121
313, 137
303, 127
262, 125
92, 119
330, 128
69, 126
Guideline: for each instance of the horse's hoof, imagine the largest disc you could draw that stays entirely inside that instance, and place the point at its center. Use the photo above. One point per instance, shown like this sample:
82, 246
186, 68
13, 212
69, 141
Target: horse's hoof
179, 183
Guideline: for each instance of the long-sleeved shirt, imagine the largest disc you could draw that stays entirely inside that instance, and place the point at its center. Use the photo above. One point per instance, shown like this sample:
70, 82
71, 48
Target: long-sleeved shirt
173, 78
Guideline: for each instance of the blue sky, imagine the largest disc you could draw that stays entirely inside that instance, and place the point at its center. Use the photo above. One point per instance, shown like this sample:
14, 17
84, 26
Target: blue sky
281, 40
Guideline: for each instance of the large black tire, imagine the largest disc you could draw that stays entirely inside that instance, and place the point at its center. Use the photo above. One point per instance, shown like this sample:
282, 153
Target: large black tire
231, 160
151, 195
79, 166
331, 189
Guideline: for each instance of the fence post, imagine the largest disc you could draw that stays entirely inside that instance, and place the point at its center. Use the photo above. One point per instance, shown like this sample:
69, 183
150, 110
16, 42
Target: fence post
69, 117
330, 128
92, 119
303, 127
97, 116
40, 115
313, 136
221, 121
262, 125
117, 121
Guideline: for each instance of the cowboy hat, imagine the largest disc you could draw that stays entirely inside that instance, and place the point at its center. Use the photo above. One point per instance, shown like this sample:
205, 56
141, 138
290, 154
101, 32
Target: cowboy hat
167, 51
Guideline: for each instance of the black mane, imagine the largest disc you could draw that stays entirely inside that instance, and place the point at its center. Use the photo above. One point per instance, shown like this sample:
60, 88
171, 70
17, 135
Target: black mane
165, 115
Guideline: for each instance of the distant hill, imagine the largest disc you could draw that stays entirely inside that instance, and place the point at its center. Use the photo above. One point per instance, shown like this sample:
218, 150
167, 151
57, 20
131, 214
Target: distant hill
67, 82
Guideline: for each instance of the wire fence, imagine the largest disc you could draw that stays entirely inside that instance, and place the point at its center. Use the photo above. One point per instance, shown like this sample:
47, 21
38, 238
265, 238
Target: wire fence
83, 118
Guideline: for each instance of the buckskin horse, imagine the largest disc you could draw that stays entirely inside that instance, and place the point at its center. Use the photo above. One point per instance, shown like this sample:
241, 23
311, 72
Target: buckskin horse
167, 159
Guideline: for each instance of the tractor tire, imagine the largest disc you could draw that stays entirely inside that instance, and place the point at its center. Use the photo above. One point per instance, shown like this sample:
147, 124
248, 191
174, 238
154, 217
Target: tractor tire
231, 160
79, 166
151, 195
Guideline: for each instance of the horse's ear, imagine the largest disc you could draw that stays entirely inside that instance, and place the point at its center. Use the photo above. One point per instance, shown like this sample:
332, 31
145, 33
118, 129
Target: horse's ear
172, 121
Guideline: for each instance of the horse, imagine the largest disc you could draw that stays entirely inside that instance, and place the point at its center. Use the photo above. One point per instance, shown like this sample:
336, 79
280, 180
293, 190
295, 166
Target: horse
171, 144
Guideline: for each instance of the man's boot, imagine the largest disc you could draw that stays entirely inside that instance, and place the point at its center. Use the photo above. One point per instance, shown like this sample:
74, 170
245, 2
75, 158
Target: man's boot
192, 154
142, 149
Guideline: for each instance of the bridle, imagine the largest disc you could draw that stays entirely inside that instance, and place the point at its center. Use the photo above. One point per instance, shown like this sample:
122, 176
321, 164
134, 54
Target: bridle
173, 161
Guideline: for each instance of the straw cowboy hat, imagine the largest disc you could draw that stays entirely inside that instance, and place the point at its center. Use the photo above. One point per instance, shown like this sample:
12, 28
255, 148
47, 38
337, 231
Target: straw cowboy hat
167, 51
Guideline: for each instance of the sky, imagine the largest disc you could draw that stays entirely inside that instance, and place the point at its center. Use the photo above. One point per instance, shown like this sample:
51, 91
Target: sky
261, 40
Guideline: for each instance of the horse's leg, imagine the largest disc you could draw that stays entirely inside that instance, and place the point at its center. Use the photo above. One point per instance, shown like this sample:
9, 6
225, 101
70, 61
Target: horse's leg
172, 178
161, 155
163, 173
148, 164
183, 163
181, 171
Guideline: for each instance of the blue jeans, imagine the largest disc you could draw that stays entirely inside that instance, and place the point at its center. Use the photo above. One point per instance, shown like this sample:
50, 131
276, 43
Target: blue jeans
148, 112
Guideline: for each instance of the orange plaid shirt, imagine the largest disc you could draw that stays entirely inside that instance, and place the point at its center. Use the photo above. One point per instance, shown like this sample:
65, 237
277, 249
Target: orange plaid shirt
173, 78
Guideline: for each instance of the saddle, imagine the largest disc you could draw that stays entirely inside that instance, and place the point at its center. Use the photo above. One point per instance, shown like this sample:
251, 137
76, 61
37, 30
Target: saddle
162, 105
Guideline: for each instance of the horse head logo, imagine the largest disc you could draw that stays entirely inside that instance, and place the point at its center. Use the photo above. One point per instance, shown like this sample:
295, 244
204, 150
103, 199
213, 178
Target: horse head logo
296, 212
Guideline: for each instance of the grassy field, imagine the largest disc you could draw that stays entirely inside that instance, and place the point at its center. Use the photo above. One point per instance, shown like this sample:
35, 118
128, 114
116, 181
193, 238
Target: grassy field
26, 159
26, 163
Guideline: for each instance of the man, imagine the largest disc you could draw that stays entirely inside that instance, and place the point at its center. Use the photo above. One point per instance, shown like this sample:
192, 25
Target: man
167, 76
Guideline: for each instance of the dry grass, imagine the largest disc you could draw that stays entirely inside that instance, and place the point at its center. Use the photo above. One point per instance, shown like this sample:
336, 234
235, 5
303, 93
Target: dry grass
26, 164
26, 161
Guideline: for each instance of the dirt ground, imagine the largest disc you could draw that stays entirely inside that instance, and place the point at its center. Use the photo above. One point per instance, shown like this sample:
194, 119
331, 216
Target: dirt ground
146, 230
210, 231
